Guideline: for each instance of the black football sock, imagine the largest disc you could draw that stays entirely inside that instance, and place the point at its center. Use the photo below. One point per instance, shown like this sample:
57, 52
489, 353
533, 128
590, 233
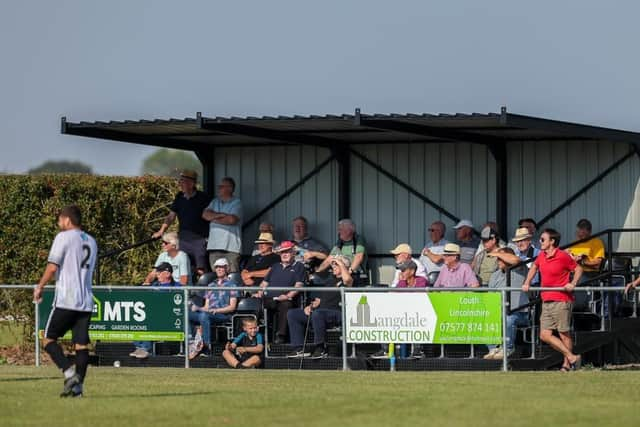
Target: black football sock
82, 361
57, 355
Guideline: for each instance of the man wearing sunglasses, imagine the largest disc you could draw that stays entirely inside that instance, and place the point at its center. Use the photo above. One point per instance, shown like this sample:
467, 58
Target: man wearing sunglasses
432, 258
171, 254
555, 267
224, 214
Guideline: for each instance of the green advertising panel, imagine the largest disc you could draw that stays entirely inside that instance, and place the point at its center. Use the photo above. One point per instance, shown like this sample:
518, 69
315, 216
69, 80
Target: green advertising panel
429, 317
467, 317
120, 315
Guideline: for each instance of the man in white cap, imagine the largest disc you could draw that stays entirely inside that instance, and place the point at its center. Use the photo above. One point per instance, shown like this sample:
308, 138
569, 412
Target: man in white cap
259, 265
402, 254
219, 305
455, 274
465, 239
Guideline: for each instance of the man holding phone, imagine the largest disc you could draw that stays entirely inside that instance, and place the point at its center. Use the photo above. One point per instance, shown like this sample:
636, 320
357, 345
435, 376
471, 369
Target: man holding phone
589, 254
286, 273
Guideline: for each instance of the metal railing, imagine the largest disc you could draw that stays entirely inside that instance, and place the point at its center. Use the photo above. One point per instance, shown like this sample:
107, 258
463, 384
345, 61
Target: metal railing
343, 291
606, 272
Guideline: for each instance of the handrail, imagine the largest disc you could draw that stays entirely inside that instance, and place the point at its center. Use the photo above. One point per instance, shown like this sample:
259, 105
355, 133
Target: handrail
118, 251
603, 275
608, 232
325, 289
342, 290
115, 252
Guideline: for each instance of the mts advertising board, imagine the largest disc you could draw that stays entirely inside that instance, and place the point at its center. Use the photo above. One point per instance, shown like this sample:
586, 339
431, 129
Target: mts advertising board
121, 315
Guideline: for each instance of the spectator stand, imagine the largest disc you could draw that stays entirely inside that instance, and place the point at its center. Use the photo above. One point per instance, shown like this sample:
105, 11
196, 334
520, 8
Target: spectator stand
371, 168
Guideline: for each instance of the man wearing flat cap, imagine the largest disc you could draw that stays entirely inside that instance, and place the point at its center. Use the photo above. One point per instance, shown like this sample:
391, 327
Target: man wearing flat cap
164, 278
193, 230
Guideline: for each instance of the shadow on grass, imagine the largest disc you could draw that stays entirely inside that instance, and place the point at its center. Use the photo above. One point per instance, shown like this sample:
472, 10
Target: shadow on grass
7, 380
169, 394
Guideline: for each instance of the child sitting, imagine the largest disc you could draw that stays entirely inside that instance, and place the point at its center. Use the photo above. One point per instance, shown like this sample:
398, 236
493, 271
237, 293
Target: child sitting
245, 351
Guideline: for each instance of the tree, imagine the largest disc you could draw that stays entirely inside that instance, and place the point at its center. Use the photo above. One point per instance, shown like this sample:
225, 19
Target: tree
165, 162
61, 166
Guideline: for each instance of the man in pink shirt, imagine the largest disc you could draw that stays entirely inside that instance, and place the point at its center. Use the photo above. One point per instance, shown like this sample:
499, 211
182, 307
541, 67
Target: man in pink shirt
455, 274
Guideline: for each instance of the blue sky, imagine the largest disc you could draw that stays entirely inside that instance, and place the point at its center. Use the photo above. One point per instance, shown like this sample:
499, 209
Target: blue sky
89, 60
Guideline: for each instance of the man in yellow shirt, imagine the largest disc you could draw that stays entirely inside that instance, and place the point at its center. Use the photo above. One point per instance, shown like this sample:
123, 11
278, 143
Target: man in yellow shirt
588, 254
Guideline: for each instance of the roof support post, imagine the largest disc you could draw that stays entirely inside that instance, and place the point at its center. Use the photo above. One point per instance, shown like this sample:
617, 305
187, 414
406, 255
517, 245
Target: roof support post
342, 154
206, 157
499, 152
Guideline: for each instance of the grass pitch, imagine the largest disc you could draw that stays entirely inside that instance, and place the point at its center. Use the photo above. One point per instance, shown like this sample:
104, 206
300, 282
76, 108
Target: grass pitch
177, 397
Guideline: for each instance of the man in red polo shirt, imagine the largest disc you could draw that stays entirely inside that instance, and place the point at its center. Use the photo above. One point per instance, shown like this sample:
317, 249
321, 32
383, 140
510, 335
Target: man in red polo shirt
555, 266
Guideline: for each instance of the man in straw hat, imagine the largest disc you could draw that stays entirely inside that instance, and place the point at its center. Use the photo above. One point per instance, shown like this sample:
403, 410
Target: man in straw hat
187, 206
455, 274
259, 265
523, 250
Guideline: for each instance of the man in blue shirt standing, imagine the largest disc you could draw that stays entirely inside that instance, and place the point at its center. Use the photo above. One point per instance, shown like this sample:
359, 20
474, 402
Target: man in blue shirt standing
224, 214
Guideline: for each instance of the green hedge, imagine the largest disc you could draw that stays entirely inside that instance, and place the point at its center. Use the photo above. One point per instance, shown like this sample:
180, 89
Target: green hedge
117, 211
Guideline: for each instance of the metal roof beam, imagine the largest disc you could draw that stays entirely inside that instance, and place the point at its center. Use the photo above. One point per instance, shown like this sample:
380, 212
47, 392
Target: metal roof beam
426, 130
572, 129
115, 135
265, 133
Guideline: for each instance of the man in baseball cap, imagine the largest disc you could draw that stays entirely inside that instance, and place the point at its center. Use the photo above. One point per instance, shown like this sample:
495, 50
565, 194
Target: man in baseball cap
403, 253
466, 240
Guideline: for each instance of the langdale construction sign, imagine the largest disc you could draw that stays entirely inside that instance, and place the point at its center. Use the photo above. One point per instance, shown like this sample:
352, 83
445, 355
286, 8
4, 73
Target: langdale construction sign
121, 315
436, 317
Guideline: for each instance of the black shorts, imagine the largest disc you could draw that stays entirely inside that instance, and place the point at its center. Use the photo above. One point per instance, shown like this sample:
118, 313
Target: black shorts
62, 320
244, 357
